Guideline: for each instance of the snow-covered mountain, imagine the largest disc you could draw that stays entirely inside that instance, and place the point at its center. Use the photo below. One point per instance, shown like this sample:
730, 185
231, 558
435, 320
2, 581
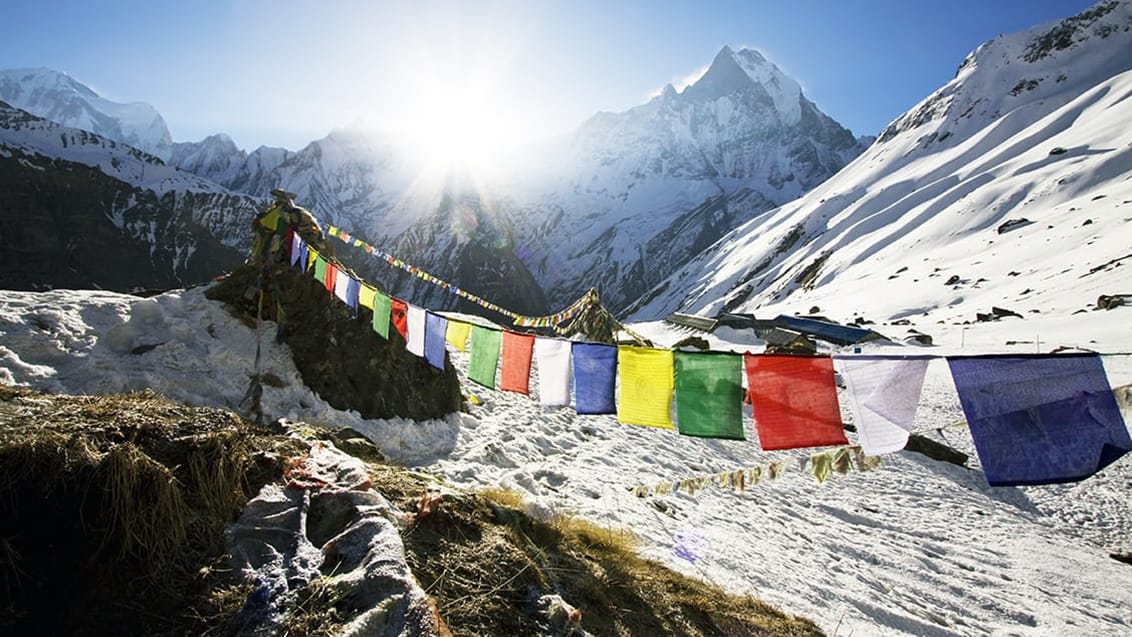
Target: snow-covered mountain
638, 193
618, 205
1027, 146
62, 99
82, 210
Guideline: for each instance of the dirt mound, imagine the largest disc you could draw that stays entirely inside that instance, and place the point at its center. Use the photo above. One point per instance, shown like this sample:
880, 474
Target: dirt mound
339, 355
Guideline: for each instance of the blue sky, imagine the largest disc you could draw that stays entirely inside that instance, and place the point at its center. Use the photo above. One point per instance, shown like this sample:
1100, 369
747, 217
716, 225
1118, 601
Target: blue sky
284, 73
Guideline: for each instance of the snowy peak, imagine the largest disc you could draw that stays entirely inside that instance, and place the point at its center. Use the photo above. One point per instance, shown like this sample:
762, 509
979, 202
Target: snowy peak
1049, 63
62, 99
748, 72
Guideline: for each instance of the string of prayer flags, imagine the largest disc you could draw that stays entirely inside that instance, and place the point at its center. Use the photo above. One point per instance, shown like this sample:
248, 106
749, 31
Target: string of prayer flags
435, 328
415, 324
526, 321
382, 313
485, 355
883, 394
822, 465
646, 386
554, 371
1040, 419
709, 394
794, 400
587, 299
458, 334
595, 378
515, 370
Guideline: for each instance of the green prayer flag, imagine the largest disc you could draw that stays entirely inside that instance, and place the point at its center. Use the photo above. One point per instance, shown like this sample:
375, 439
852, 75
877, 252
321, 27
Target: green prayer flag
485, 355
822, 463
319, 269
381, 309
709, 394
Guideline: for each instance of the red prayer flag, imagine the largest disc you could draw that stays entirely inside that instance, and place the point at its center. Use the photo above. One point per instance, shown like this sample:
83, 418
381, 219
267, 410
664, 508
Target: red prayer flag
794, 400
515, 370
399, 315
331, 277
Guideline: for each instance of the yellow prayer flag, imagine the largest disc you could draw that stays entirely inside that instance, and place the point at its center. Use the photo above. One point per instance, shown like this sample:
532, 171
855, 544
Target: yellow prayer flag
457, 334
646, 386
365, 296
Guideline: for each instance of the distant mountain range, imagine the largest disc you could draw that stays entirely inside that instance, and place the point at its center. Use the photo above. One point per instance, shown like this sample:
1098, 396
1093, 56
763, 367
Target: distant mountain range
622, 202
736, 193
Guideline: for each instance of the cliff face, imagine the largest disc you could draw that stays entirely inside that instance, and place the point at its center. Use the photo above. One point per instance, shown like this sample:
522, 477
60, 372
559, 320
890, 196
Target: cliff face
69, 225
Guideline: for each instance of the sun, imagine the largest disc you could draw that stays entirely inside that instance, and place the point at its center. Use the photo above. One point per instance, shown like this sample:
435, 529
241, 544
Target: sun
460, 129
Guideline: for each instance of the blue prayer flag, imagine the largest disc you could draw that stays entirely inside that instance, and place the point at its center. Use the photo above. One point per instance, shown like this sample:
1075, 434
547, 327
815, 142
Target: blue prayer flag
595, 374
353, 288
1040, 419
436, 327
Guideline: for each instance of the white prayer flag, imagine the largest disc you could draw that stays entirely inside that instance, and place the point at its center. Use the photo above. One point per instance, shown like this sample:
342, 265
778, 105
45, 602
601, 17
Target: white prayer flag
416, 326
342, 286
883, 394
553, 359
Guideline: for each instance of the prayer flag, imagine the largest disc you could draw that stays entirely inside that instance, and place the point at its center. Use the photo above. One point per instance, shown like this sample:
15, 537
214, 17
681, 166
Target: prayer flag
553, 359
298, 249
794, 400
821, 464
331, 277
353, 289
709, 394
485, 355
883, 393
1040, 419
415, 324
382, 312
319, 269
365, 296
398, 312
595, 377
458, 334
342, 286
435, 327
646, 386
515, 369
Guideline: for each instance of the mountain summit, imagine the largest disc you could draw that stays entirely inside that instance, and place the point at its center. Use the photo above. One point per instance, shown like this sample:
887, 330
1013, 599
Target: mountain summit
748, 72
64, 100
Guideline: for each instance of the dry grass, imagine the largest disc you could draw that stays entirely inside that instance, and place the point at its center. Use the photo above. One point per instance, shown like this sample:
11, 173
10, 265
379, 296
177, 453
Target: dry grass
485, 562
112, 510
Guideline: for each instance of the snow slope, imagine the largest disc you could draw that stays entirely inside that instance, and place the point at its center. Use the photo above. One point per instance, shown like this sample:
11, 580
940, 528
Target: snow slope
1034, 128
915, 547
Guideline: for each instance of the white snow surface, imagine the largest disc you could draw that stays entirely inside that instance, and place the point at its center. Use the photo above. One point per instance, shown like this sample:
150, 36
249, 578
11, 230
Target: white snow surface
915, 547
